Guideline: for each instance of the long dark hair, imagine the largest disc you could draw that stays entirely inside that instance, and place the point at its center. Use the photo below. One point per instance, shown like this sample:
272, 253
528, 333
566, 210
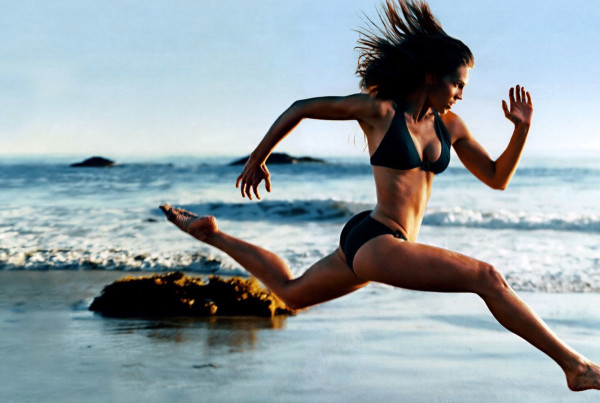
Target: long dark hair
410, 42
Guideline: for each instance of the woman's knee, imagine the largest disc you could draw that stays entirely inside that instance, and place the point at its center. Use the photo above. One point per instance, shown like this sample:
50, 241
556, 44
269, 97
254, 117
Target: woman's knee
489, 280
289, 294
294, 301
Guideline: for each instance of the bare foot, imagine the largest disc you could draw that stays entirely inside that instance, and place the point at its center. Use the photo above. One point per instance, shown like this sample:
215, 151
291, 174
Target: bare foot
588, 377
200, 228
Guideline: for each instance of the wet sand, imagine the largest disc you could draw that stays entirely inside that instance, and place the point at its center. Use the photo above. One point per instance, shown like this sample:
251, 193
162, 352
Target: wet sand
378, 344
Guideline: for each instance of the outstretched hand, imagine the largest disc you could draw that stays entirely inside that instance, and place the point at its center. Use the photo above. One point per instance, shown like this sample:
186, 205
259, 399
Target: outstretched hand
521, 108
250, 178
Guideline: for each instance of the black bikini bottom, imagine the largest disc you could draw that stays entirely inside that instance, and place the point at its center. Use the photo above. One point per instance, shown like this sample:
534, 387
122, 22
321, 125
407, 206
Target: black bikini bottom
360, 229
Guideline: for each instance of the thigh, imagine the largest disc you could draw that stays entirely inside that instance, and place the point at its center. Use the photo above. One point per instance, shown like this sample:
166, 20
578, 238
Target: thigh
415, 266
327, 279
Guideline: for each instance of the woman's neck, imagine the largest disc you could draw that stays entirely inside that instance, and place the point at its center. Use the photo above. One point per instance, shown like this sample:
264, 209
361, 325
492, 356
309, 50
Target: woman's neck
416, 105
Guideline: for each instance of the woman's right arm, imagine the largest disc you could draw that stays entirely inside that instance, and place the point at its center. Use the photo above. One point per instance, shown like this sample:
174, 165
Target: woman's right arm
496, 173
359, 107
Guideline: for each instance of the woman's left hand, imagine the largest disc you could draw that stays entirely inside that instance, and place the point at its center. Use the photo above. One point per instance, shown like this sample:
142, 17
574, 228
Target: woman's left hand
521, 108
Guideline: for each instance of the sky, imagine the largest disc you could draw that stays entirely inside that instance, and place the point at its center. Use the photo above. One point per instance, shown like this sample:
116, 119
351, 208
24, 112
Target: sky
124, 78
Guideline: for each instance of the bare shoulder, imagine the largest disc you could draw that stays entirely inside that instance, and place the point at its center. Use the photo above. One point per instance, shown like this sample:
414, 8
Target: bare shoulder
452, 120
383, 108
371, 106
457, 128
380, 113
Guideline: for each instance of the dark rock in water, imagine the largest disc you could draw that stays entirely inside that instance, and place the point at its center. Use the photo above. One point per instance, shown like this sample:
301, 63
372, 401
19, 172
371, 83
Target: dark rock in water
281, 158
94, 162
176, 294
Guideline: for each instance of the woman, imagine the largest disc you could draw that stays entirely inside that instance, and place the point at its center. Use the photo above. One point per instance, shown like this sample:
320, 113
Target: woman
412, 73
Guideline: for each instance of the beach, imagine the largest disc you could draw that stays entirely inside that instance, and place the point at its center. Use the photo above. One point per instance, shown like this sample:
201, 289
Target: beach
376, 345
112, 109
66, 232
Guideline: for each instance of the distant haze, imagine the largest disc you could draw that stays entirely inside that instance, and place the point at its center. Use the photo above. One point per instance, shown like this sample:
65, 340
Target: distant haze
208, 77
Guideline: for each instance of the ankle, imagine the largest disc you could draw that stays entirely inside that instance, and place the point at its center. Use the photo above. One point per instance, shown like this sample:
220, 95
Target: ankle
575, 365
215, 238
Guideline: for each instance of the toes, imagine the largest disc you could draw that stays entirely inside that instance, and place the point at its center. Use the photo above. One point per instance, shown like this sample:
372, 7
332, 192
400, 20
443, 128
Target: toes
190, 214
181, 221
179, 216
184, 212
167, 211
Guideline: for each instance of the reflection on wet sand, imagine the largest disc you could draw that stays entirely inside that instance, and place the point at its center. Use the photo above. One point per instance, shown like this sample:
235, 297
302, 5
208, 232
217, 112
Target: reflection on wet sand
232, 334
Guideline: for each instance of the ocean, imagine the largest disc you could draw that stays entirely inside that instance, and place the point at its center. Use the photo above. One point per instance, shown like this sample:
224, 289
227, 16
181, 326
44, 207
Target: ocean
65, 233
542, 233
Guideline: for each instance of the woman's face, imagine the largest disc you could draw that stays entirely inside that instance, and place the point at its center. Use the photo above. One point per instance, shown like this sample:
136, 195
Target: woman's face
447, 90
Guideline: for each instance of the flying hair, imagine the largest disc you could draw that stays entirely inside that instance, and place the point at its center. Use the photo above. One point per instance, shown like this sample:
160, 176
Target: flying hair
407, 43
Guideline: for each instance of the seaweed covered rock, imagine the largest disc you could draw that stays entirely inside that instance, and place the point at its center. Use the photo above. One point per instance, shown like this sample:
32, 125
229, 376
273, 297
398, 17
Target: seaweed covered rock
176, 294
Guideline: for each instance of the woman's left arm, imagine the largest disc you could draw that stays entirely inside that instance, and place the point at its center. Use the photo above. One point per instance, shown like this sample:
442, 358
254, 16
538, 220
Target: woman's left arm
496, 174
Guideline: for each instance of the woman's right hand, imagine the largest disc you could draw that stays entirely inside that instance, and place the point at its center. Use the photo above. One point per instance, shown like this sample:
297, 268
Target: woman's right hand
521, 107
251, 176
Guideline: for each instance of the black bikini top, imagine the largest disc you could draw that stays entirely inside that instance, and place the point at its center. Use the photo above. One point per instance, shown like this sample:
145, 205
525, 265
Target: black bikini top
397, 149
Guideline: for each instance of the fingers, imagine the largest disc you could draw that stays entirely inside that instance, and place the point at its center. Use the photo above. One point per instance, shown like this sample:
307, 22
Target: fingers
247, 187
267, 178
243, 182
518, 94
244, 186
250, 179
505, 108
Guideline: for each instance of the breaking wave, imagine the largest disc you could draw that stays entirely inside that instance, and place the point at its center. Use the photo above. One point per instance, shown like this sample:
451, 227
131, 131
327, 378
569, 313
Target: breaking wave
458, 217
319, 210
111, 259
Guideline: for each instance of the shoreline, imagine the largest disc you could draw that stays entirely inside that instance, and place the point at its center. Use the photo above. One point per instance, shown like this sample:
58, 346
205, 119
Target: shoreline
378, 344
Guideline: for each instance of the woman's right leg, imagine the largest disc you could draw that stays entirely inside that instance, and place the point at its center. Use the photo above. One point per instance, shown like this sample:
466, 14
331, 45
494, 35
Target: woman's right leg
327, 279
421, 267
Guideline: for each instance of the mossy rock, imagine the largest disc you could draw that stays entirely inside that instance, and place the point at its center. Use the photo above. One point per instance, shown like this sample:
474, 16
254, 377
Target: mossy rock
176, 294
